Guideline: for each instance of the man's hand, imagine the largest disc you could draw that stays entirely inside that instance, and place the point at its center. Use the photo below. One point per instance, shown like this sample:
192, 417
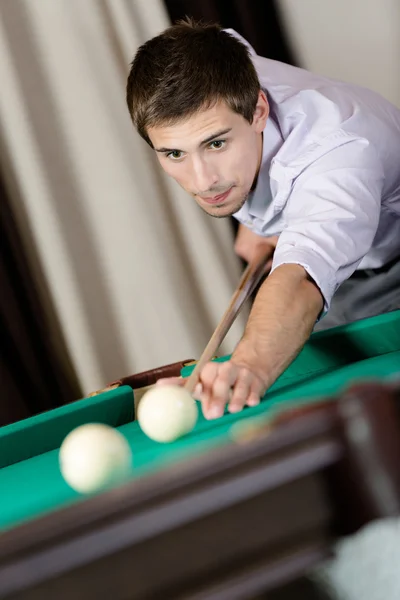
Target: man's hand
232, 383
248, 243
281, 320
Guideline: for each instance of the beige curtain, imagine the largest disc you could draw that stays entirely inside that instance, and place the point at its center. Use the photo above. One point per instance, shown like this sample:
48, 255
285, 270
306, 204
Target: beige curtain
137, 274
357, 41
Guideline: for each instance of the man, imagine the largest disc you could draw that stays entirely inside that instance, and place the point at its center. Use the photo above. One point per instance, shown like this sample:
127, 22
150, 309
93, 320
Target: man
310, 167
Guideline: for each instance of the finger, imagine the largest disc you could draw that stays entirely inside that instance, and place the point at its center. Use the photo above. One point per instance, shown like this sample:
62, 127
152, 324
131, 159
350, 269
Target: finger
207, 378
241, 390
198, 391
171, 381
253, 399
221, 389
256, 392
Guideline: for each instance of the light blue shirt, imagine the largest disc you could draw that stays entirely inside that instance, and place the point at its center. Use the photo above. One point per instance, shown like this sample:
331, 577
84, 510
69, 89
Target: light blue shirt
329, 183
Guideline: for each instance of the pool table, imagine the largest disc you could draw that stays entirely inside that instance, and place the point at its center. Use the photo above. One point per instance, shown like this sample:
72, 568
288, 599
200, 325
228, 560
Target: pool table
235, 508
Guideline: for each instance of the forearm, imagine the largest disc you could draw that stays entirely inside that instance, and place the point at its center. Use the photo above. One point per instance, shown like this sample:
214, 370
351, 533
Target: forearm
281, 320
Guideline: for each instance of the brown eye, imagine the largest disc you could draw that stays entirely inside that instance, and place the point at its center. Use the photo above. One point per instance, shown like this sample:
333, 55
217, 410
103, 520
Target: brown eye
217, 144
175, 154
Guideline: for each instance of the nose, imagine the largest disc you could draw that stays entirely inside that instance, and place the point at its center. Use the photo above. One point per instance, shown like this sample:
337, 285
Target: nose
204, 176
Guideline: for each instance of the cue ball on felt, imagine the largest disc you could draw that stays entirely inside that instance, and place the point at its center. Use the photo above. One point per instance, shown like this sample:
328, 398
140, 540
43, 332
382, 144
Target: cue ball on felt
167, 412
94, 456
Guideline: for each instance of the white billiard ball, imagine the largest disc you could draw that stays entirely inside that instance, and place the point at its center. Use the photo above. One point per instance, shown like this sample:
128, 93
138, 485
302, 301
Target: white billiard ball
167, 412
93, 457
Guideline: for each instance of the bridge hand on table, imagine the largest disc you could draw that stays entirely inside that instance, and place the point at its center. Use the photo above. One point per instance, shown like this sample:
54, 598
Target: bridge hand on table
222, 384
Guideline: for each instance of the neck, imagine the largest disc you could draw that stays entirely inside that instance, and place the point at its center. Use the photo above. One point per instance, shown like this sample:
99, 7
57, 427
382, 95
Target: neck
260, 153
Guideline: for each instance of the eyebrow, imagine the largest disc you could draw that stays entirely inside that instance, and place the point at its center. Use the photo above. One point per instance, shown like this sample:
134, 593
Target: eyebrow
206, 141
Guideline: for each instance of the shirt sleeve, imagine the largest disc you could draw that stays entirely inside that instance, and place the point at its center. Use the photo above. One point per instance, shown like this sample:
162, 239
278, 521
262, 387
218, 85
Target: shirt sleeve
332, 215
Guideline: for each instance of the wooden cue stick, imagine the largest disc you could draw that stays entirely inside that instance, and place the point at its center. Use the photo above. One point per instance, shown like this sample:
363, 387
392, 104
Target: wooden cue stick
249, 280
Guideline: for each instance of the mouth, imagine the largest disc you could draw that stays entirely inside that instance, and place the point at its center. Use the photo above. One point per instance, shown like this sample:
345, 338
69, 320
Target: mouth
217, 199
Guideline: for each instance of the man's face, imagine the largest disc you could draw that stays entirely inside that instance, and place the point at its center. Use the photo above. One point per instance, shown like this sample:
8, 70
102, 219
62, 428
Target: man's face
214, 155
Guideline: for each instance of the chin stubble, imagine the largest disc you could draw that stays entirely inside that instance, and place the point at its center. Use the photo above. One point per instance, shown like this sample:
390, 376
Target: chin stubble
230, 213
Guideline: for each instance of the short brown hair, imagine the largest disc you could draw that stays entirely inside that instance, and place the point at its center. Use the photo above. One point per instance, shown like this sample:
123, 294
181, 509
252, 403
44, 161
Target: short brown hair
188, 67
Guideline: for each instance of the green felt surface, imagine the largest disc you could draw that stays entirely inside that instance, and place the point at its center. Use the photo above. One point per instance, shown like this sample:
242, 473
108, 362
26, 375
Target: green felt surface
46, 431
328, 363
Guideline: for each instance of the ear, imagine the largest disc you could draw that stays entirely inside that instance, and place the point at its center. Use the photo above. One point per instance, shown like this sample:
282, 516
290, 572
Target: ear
261, 112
